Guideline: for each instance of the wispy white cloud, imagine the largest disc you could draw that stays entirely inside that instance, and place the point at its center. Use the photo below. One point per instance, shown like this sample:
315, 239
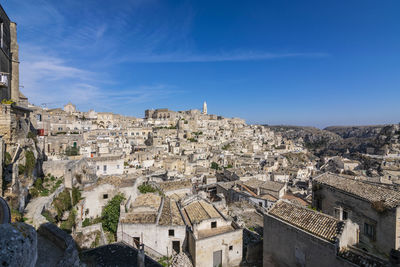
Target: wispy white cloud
72, 50
49, 79
227, 56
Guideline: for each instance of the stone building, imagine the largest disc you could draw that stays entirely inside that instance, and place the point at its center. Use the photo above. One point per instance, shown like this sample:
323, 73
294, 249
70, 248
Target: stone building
160, 114
154, 221
105, 120
205, 108
9, 59
14, 119
96, 196
5, 56
111, 165
298, 236
374, 207
70, 108
212, 239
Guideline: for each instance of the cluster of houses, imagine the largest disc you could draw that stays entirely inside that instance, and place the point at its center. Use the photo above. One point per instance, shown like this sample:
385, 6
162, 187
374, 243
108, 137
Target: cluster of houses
200, 167
198, 189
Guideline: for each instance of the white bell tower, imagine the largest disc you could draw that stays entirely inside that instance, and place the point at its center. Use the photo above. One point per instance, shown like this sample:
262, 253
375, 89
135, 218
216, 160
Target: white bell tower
205, 107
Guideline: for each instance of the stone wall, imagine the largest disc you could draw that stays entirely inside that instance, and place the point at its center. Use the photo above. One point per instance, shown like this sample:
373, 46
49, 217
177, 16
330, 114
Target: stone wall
285, 245
361, 212
63, 241
56, 168
204, 249
14, 84
154, 236
14, 123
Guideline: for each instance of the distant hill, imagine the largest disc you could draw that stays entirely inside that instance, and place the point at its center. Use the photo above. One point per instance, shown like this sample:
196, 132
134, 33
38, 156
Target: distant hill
356, 131
337, 140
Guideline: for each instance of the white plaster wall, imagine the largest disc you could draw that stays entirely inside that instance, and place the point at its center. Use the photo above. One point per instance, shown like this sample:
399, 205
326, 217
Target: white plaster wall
114, 167
154, 236
205, 248
94, 199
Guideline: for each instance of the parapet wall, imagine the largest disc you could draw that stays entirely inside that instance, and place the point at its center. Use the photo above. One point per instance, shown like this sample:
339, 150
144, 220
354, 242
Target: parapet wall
63, 241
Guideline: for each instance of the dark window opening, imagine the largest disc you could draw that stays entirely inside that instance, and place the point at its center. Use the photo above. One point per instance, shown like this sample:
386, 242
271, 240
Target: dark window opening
345, 215
369, 230
105, 196
319, 204
176, 246
213, 224
171, 232
230, 247
136, 240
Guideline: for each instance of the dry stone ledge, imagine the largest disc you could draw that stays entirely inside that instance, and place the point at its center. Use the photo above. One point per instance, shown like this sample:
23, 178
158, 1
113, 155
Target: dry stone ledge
18, 245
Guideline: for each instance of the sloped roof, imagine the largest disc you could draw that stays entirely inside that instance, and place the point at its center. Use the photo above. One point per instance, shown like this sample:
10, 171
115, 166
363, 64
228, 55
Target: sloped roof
364, 190
199, 211
316, 223
170, 214
268, 185
175, 185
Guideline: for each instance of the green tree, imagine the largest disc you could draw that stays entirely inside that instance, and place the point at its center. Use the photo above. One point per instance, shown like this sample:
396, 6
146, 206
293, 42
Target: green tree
72, 151
30, 162
70, 222
110, 214
8, 158
146, 188
214, 165
62, 202
76, 196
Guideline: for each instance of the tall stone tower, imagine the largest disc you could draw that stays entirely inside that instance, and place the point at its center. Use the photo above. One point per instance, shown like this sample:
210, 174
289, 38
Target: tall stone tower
205, 107
15, 94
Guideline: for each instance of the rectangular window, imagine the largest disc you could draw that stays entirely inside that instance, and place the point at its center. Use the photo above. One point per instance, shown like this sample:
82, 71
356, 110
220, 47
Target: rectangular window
105, 196
319, 204
345, 215
230, 247
213, 224
369, 230
105, 168
171, 232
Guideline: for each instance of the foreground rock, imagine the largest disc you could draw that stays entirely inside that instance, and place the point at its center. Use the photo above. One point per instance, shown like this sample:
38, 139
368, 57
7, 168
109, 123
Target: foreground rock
18, 243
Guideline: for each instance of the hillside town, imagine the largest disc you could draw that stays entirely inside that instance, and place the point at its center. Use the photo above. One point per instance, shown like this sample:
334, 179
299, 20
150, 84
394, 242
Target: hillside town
189, 188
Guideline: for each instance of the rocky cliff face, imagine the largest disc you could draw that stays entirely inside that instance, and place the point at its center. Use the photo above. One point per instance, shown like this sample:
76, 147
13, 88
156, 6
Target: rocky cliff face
352, 141
379, 139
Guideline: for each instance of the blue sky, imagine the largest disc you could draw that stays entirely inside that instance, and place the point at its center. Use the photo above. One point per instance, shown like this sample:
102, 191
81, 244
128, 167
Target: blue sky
313, 63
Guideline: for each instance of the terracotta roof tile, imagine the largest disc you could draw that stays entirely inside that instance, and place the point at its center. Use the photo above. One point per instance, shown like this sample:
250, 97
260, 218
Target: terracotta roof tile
311, 221
367, 191
199, 211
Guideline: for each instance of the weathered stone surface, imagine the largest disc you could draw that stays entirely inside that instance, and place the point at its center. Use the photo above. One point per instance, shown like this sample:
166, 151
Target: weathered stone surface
18, 245
62, 241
